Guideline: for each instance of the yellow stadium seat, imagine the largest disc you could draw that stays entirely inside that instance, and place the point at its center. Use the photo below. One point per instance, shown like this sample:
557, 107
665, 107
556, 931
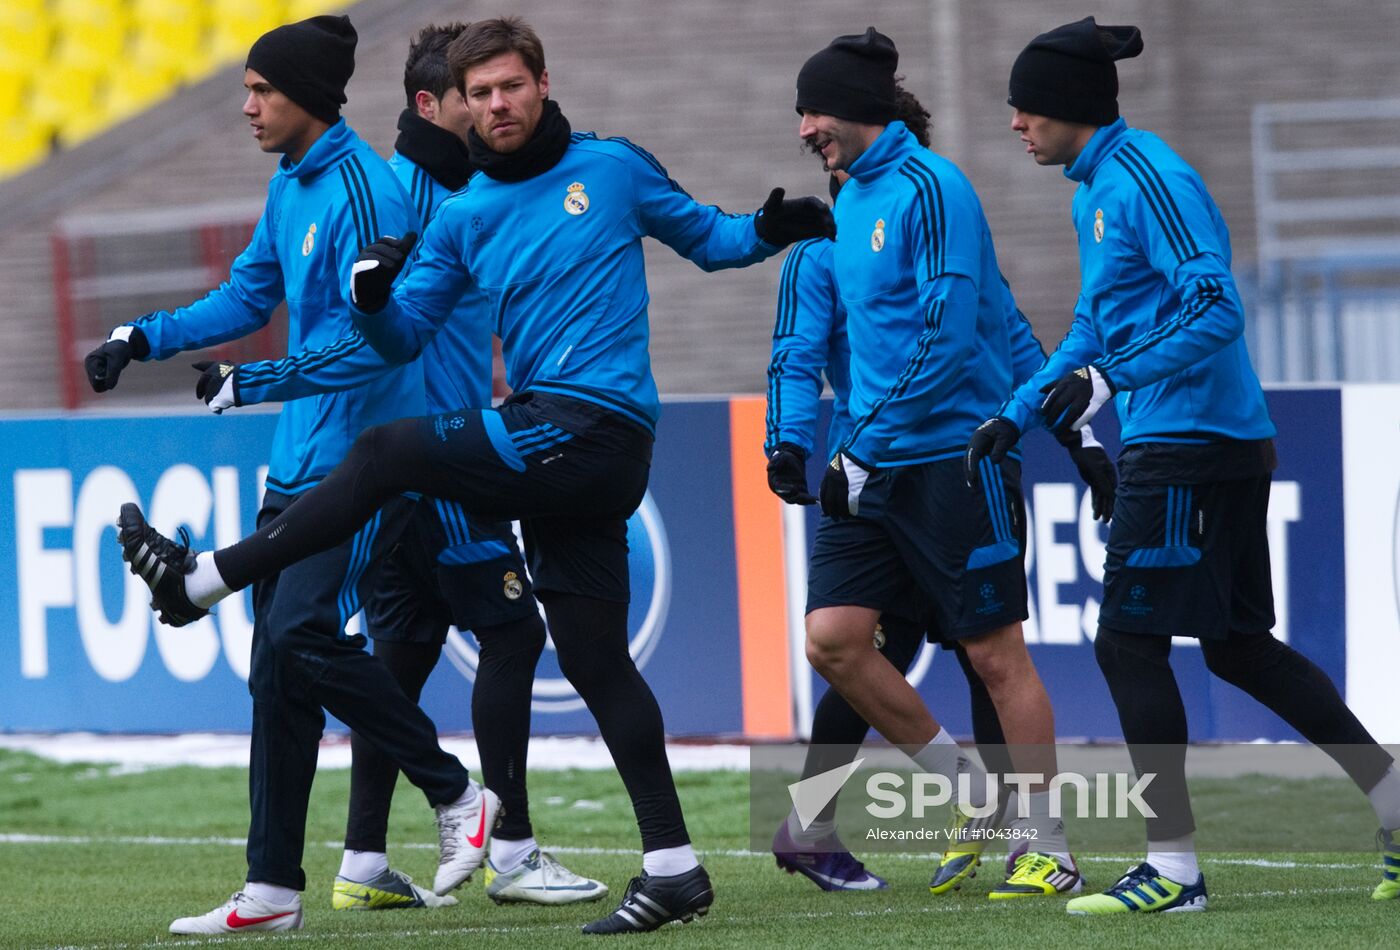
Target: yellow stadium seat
132, 90
303, 9
14, 90
173, 47
90, 29
26, 35
64, 92
23, 144
237, 23
165, 11
81, 126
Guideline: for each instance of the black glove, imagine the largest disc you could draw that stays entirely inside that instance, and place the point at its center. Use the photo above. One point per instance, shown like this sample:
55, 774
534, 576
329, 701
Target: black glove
842, 484
785, 221
217, 384
1095, 467
372, 275
787, 474
1072, 400
992, 440
104, 365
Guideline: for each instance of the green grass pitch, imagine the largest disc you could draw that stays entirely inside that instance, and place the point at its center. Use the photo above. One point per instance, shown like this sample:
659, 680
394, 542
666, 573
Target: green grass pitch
91, 857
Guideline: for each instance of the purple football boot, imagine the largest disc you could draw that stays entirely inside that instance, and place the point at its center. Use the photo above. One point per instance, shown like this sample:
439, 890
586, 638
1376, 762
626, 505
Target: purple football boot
825, 862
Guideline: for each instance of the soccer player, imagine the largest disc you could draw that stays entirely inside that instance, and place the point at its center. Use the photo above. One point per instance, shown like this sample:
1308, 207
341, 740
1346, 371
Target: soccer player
550, 231
809, 340
1159, 325
451, 569
329, 195
932, 344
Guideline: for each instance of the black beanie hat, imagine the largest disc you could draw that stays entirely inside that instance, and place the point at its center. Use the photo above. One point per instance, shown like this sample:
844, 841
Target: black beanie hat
1069, 74
308, 62
853, 79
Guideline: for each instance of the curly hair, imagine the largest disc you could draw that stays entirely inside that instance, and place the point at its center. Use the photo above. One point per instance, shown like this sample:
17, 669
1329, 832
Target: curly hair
912, 113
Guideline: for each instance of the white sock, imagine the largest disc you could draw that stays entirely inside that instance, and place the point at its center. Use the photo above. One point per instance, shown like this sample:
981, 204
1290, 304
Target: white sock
507, 855
362, 866
814, 832
205, 586
943, 756
469, 796
665, 862
1175, 859
272, 893
1046, 834
1385, 799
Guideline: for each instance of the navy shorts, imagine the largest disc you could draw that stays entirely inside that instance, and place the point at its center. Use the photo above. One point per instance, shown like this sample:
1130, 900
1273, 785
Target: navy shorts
921, 525
1189, 560
448, 570
570, 471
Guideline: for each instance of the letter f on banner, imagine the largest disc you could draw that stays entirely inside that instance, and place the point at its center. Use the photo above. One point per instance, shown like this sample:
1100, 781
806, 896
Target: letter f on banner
811, 795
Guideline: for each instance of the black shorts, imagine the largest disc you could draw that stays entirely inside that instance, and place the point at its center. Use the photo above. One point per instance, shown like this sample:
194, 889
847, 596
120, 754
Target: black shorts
921, 524
448, 570
570, 471
1189, 560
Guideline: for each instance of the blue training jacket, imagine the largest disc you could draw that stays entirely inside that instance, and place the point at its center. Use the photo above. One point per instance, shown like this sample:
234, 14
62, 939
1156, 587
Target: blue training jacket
457, 363
558, 258
319, 213
810, 337
1158, 311
936, 338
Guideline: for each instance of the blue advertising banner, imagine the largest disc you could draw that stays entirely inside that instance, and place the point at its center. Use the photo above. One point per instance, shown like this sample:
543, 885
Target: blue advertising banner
1065, 573
81, 650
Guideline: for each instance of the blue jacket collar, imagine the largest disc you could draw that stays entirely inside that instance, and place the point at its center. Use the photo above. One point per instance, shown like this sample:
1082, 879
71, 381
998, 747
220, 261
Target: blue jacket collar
333, 145
1101, 145
887, 151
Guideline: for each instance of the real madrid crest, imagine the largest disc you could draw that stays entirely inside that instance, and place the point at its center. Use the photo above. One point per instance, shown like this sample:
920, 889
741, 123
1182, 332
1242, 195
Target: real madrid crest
877, 237
576, 201
308, 242
513, 588
1098, 226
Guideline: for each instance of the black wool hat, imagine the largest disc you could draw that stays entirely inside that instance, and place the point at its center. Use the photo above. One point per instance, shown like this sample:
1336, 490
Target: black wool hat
1068, 73
853, 79
308, 62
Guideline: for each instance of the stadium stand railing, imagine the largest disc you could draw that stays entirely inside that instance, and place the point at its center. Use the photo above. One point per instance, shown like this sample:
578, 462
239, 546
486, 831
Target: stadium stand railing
108, 267
1325, 300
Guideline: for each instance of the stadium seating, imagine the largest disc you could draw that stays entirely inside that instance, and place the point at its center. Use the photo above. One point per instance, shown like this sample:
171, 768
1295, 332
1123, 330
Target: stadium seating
70, 69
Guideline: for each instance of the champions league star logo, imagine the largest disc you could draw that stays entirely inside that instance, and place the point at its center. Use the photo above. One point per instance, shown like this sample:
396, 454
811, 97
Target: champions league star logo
649, 564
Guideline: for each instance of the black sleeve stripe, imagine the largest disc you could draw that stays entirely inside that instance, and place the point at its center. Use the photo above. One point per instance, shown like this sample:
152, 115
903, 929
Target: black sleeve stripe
1209, 292
1175, 211
933, 323
787, 291
356, 210
930, 195
1154, 189
776, 370
358, 171
304, 363
425, 201
415, 193
650, 159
